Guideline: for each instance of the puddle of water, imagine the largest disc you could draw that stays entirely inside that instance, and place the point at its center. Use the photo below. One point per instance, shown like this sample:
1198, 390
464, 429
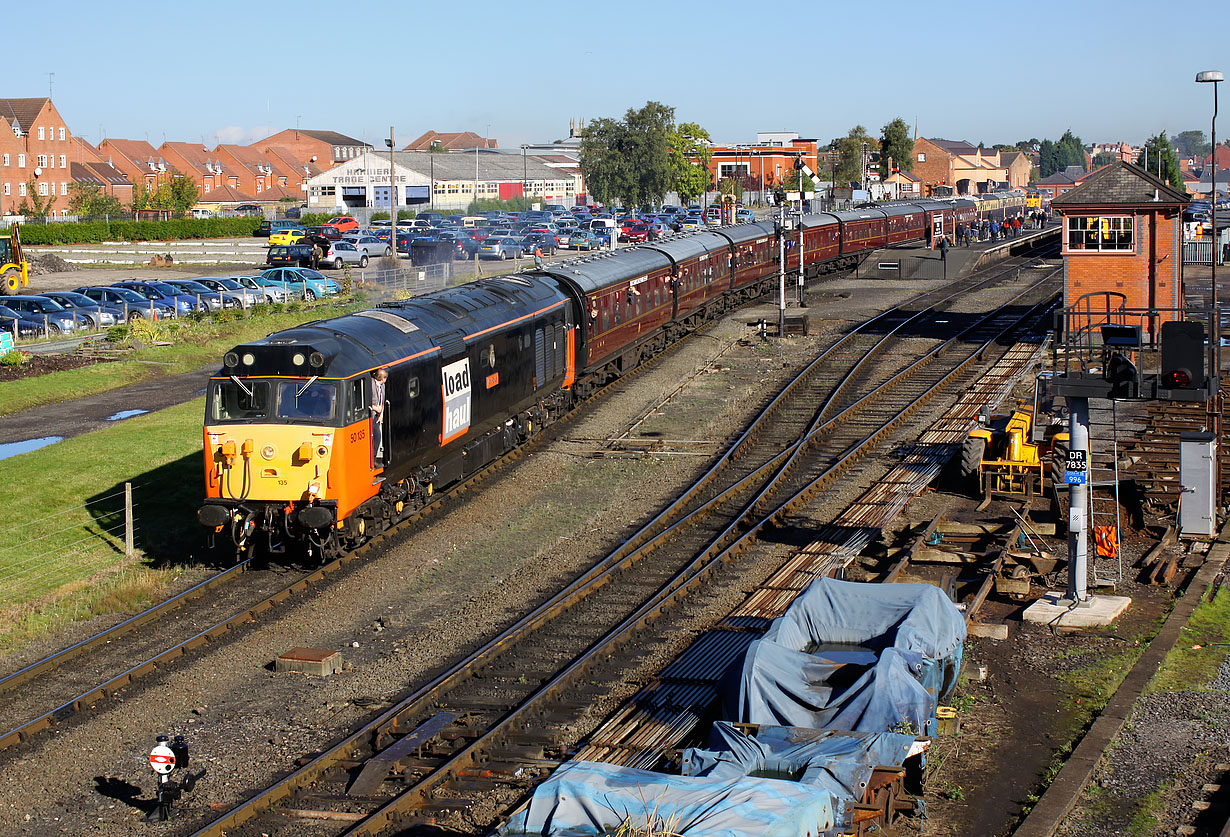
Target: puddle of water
123, 414
14, 448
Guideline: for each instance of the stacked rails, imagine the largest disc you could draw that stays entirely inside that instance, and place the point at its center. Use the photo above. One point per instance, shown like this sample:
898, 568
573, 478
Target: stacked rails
667, 712
1154, 452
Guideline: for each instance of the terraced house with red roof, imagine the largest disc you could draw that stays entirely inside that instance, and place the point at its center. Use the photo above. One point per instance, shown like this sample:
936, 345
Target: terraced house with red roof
34, 154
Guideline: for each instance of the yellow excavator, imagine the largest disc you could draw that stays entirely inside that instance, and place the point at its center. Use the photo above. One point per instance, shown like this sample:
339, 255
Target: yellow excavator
14, 269
1013, 455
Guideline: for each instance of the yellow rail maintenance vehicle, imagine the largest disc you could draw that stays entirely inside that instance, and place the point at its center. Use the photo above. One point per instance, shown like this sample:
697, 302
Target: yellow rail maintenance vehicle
14, 269
1013, 455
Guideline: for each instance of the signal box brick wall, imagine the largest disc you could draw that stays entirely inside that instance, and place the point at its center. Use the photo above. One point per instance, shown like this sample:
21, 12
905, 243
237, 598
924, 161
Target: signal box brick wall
1150, 274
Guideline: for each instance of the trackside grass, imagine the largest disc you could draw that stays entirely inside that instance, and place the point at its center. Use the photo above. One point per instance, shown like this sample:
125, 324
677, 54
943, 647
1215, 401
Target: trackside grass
62, 544
194, 344
1202, 647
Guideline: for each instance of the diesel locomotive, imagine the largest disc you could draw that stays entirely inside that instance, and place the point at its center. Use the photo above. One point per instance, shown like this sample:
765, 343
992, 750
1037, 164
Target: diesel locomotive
295, 455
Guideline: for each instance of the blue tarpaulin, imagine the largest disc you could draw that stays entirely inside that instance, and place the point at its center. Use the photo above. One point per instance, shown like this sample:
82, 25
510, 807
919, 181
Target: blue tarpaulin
590, 798
852, 656
841, 762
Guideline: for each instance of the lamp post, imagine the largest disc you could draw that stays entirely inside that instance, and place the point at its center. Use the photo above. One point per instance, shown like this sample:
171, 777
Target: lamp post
1212, 77
524, 171
392, 193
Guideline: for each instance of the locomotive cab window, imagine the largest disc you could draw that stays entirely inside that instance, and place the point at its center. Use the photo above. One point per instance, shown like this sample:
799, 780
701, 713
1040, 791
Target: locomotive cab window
303, 401
357, 400
230, 402
412, 388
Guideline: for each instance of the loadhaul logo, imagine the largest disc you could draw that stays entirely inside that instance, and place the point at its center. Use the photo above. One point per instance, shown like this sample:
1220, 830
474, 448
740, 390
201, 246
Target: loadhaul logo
455, 384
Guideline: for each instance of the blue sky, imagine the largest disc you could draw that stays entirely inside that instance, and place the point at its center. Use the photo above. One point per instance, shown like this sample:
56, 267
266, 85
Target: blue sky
995, 72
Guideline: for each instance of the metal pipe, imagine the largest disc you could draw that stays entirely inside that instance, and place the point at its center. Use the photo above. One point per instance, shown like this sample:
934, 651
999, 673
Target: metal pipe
1078, 503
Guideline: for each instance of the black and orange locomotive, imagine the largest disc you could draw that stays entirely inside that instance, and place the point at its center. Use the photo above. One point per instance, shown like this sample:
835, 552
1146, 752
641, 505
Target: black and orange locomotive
290, 442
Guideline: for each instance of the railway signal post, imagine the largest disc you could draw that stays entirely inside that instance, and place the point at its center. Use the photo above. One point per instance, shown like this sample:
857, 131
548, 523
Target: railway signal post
164, 760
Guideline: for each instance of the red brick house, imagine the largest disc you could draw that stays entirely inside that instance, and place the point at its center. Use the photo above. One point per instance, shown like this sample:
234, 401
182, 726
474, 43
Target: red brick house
323, 148
458, 141
38, 144
1122, 233
141, 162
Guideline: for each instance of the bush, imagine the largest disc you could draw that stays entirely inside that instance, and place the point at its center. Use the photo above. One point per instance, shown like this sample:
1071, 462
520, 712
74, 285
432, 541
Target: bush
176, 229
13, 358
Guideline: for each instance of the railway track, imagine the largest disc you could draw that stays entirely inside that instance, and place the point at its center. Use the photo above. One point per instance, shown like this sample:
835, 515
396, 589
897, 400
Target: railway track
48, 692
483, 729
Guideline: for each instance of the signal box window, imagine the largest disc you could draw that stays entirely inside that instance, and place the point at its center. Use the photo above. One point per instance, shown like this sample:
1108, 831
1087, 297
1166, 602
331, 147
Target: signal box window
1100, 234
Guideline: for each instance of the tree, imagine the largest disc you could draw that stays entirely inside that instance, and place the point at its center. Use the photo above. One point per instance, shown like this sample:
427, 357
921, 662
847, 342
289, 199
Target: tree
1191, 144
183, 192
689, 161
728, 186
1104, 158
35, 205
1158, 158
851, 149
86, 200
895, 144
630, 159
1057, 156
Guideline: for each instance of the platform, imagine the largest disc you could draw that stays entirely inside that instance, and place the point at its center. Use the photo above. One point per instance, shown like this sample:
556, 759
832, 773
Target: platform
1053, 610
920, 262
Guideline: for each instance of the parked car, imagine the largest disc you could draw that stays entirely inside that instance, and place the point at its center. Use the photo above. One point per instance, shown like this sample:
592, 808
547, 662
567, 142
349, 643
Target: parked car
246, 296
744, 216
301, 281
585, 240
57, 319
344, 223
202, 213
327, 231
634, 232
26, 327
130, 304
294, 255
267, 227
691, 224
214, 300
370, 246
271, 291
287, 235
247, 207
540, 241
345, 252
180, 303
500, 248
86, 307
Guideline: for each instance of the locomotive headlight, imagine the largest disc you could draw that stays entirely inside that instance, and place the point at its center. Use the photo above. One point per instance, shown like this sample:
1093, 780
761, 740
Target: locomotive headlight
268, 451
230, 359
322, 451
298, 359
316, 359
249, 359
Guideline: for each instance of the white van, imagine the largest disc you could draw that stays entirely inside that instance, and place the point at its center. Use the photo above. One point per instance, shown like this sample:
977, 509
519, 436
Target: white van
603, 224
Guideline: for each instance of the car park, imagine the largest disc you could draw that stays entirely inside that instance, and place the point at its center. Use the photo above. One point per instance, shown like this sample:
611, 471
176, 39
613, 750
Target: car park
215, 300
130, 304
344, 223
25, 326
55, 317
500, 248
85, 307
224, 285
159, 292
345, 252
288, 235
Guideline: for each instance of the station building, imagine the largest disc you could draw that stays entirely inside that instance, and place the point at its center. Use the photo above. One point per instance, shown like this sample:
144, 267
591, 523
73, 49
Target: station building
439, 181
1122, 234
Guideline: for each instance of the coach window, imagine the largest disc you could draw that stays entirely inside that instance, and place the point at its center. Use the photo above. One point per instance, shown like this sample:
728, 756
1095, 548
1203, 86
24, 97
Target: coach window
606, 313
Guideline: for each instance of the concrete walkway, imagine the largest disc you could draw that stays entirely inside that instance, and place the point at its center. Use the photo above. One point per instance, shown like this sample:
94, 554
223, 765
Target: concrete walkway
911, 262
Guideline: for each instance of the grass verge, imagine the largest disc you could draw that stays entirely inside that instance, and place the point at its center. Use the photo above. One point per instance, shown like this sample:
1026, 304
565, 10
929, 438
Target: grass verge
196, 345
1200, 651
64, 558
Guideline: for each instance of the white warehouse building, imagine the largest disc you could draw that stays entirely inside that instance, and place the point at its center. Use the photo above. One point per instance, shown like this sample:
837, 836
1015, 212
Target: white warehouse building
447, 181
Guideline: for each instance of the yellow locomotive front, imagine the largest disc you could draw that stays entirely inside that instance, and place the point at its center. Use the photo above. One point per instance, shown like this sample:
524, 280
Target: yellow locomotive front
287, 457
